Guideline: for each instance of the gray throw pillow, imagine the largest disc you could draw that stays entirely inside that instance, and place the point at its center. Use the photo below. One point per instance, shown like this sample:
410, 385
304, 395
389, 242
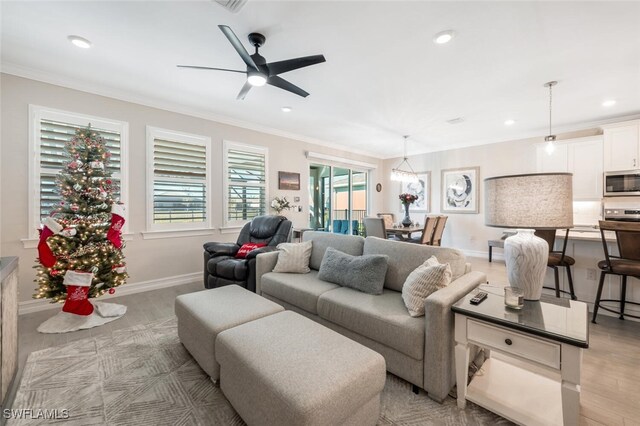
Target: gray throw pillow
365, 273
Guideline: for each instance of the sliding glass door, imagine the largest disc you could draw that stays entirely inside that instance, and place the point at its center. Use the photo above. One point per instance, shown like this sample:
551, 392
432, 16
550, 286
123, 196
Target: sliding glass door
338, 199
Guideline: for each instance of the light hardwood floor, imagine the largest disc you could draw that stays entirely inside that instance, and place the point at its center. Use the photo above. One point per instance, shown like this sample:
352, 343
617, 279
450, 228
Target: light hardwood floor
610, 373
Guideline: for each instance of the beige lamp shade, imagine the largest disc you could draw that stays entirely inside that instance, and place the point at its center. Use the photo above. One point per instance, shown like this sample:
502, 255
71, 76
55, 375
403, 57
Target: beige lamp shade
534, 201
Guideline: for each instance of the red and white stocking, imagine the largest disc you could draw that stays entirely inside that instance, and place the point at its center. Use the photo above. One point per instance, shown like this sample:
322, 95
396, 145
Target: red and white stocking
78, 284
49, 228
117, 221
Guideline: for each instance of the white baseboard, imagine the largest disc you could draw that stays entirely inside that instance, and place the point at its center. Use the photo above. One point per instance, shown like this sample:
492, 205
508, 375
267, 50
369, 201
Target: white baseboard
29, 306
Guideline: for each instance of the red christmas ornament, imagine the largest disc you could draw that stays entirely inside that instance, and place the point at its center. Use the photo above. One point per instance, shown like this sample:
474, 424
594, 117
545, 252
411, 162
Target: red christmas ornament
112, 290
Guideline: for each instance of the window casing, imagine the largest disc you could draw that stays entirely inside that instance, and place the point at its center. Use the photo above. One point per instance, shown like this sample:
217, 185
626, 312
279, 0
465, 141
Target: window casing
245, 183
178, 180
49, 129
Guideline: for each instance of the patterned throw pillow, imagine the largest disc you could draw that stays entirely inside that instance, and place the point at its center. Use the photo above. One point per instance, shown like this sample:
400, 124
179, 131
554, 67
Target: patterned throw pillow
427, 278
246, 248
293, 258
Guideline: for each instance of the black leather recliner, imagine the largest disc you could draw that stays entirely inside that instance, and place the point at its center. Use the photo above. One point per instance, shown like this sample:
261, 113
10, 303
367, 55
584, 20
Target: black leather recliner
222, 268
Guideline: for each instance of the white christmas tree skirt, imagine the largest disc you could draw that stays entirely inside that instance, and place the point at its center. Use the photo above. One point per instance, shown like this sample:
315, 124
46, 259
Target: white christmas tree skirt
64, 322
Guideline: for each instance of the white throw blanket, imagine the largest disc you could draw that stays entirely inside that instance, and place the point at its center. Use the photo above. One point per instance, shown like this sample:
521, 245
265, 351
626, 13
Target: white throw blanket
64, 322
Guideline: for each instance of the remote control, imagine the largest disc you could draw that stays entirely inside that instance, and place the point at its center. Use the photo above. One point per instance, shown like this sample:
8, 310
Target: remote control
478, 298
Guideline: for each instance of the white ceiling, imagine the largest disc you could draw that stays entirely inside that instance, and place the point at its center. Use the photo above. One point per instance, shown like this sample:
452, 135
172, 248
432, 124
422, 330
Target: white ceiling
384, 77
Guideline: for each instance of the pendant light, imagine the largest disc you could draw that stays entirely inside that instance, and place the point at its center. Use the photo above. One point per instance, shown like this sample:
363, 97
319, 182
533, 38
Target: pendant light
404, 175
551, 147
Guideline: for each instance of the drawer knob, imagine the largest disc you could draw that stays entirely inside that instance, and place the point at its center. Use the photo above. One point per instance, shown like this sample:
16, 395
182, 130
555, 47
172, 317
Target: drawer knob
508, 342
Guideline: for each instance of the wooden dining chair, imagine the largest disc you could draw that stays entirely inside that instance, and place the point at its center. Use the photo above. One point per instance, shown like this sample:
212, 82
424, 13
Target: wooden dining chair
626, 264
427, 232
436, 240
389, 219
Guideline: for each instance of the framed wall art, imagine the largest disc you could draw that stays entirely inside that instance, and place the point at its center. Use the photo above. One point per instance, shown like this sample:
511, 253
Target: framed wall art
460, 190
422, 189
289, 181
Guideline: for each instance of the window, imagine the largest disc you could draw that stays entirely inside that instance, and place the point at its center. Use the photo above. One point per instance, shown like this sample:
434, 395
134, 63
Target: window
245, 176
49, 130
178, 175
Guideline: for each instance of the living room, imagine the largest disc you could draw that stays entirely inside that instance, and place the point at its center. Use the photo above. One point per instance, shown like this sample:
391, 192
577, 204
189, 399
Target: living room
458, 90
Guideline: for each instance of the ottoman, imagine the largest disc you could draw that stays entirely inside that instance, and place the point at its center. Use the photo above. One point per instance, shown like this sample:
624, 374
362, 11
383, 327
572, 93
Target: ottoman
204, 314
285, 369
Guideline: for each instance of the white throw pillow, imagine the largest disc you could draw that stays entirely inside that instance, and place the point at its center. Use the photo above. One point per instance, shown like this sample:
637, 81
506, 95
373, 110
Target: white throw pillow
293, 258
427, 278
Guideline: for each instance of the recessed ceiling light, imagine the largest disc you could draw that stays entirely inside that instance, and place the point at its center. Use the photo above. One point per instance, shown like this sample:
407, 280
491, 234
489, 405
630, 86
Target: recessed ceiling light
286, 109
609, 103
443, 37
80, 42
509, 122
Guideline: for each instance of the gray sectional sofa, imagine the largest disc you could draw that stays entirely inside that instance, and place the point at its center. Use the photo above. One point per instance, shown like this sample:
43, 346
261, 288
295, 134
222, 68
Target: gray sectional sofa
420, 350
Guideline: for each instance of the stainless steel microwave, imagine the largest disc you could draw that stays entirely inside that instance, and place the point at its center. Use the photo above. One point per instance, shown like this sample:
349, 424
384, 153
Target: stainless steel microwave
622, 183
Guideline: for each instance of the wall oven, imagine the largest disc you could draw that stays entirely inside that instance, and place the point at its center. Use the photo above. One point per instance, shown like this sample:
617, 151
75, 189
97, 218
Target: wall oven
622, 183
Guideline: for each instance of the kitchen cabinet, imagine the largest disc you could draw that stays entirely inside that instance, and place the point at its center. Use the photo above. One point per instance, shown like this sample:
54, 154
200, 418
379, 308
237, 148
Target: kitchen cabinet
622, 146
583, 158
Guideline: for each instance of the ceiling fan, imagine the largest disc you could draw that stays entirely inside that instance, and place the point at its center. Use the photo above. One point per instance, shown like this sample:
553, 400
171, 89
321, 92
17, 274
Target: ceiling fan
259, 72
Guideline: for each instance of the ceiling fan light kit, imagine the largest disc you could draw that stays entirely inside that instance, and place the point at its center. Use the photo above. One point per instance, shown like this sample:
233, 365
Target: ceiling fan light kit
259, 72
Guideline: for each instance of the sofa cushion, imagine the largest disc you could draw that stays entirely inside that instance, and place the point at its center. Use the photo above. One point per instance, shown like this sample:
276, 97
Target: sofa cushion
299, 290
363, 273
350, 244
293, 257
382, 318
404, 258
426, 279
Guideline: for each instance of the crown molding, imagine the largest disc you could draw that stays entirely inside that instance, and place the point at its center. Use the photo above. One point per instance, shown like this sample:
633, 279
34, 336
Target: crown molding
121, 95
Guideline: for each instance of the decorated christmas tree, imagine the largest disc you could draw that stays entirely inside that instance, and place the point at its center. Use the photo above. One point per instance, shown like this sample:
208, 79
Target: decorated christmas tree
80, 248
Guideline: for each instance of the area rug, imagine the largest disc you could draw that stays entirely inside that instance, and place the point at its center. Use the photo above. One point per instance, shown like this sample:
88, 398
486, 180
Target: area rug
144, 376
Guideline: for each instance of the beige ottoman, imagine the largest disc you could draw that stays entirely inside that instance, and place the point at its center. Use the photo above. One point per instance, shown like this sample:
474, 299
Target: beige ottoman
286, 369
204, 314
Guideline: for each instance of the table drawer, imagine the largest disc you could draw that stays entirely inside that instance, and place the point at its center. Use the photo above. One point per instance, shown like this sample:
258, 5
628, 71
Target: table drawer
508, 341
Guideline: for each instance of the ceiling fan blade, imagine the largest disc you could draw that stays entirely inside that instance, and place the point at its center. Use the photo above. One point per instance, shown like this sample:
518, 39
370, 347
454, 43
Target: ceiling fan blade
280, 67
243, 92
235, 42
285, 85
195, 67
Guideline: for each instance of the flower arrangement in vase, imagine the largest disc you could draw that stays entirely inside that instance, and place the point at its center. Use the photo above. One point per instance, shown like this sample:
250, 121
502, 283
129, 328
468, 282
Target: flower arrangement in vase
280, 204
407, 199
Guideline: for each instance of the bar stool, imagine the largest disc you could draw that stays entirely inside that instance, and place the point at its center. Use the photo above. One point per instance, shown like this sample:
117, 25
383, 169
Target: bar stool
558, 259
627, 264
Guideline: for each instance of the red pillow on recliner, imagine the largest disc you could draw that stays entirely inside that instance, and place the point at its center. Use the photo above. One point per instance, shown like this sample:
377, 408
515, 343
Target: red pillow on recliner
246, 248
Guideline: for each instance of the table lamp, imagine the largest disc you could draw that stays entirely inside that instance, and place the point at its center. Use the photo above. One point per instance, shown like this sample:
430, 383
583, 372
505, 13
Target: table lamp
528, 202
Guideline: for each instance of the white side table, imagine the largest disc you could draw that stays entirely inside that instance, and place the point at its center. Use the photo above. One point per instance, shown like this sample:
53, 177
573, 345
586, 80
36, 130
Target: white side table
532, 376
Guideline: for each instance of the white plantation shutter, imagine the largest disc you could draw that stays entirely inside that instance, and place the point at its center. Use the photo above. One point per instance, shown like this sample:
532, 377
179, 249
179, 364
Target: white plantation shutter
179, 178
246, 180
52, 137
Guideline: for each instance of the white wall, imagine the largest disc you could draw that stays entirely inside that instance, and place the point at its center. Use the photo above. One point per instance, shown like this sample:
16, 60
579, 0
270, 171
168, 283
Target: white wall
467, 231
147, 260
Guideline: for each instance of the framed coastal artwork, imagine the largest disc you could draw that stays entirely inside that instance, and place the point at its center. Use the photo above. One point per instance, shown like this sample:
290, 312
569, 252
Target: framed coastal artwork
460, 190
422, 189
289, 180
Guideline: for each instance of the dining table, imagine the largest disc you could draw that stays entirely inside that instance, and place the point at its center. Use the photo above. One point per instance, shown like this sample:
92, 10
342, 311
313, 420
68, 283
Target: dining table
404, 232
